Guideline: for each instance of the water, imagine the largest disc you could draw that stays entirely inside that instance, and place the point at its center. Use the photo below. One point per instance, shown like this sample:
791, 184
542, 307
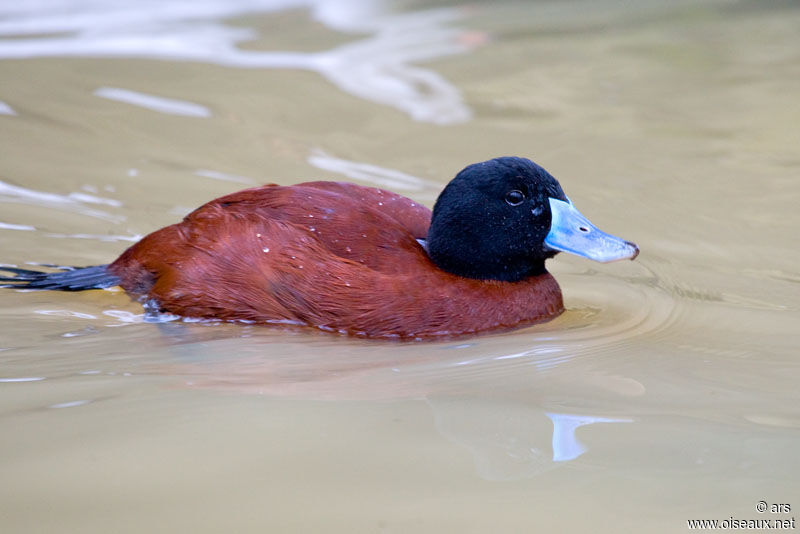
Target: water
666, 392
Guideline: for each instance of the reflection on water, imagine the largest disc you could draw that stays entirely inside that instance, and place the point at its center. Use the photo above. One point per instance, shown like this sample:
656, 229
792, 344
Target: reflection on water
666, 390
22, 379
565, 445
23, 227
379, 67
390, 179
155, 103
76, 201
512, 441
5, 109
225, 177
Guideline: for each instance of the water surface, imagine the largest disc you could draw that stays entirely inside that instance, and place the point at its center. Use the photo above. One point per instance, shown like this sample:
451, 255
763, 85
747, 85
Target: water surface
667, 391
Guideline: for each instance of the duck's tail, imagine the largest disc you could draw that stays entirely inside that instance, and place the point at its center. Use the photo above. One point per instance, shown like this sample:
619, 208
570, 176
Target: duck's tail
65, 279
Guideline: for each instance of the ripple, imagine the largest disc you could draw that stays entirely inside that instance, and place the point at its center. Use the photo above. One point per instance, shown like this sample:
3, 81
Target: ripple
74, 202
604, 314
608, 313
379, 65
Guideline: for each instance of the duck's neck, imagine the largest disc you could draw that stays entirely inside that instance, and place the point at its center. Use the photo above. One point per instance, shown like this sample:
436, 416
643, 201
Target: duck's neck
456, 259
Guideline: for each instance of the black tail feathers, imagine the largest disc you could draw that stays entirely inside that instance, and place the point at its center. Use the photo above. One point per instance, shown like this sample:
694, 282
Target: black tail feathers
65, 279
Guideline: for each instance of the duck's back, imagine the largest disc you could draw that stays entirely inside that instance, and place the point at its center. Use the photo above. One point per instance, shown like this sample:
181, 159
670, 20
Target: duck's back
333, 255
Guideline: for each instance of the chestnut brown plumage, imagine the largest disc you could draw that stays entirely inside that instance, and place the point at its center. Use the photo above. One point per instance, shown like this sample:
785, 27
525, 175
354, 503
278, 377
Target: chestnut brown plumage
361, 260
333, 255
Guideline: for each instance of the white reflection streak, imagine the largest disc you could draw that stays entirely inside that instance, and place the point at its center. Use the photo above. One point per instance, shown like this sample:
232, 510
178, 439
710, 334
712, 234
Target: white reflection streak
225, 177
381, 176
566, 446
91, 199
109, 238
5, 109
534, 355
65, 313
124, 317
377, 67
70, 404
23, 227
72, 202
22, 379
160, 104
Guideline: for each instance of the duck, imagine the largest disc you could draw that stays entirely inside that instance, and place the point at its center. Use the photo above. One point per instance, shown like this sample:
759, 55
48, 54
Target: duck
358, 260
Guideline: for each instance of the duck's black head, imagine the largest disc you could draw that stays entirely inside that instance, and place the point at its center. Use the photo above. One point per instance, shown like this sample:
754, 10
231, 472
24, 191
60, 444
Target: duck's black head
494, 221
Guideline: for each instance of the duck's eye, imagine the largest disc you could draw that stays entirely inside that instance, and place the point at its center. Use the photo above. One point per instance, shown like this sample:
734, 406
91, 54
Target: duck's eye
515, 197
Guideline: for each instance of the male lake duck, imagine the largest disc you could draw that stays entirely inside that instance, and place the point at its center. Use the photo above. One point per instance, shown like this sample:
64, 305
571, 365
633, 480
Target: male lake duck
360, 260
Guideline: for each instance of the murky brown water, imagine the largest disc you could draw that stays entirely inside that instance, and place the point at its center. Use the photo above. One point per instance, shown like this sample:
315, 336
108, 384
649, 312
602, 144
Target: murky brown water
666, 392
